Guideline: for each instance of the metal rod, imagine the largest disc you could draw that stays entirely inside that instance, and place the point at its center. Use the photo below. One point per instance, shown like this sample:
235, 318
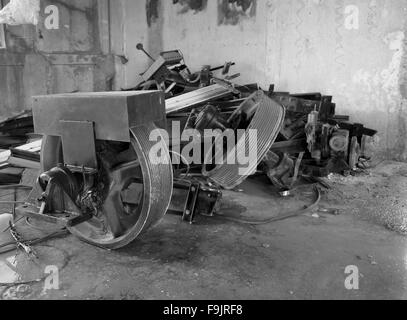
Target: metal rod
141, 48
13, 211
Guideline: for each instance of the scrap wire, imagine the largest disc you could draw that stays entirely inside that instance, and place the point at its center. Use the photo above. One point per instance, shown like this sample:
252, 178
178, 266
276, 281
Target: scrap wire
6, 195
16, 284
184, 160
14, 194
31, 282
281, 217
8, 228
34, 242
20, 243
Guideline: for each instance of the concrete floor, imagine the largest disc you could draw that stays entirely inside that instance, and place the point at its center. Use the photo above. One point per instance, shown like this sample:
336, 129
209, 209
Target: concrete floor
300, 258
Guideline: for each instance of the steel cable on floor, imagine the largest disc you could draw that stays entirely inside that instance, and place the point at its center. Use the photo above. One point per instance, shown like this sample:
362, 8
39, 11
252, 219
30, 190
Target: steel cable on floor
14, 246
33, 242
7, 286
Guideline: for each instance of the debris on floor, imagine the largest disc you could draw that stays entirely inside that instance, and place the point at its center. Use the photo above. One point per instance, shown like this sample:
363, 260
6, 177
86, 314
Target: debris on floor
14, 130
14, 161
19, 147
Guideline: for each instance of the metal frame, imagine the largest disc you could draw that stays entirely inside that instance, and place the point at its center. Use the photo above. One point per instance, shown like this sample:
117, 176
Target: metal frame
191, 198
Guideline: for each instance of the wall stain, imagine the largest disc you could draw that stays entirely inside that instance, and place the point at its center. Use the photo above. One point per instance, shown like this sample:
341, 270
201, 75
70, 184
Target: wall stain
231, 12
90, 12
339, 49
152, 11
27, 69
401, 142
155, 21
17, 40
299, 43
191, 5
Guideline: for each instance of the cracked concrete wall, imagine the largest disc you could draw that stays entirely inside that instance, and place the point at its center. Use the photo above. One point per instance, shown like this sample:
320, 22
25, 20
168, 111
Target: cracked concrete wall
354, 50
42, 61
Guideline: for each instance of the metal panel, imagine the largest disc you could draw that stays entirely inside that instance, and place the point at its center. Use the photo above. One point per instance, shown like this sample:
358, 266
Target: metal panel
196, 97
113, 113
78, 144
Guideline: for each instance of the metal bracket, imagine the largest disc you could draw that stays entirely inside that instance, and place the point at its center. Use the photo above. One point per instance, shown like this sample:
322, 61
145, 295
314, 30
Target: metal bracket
191, 198
78, 144
190, 204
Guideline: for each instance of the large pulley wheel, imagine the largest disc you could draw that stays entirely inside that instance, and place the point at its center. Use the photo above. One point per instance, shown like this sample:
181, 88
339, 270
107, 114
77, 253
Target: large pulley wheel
137, 191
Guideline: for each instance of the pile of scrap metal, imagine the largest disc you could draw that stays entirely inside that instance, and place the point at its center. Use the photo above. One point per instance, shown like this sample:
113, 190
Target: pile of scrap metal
15, 154
15, 131
98, 178
306, 138
326, 142
170, 74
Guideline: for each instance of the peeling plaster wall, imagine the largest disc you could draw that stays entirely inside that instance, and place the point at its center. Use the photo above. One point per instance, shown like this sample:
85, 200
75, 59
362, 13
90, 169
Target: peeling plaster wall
355, 50
41, 61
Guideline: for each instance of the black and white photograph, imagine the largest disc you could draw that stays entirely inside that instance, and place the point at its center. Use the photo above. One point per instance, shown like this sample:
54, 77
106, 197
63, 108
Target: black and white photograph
203, 154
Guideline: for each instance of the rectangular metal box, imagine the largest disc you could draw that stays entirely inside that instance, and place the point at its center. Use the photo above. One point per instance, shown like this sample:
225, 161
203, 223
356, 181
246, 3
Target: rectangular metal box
113, 113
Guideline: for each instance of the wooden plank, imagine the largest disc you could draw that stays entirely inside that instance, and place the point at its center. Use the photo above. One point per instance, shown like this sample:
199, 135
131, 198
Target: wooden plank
4, 156
32, 147
22, 163
11, 171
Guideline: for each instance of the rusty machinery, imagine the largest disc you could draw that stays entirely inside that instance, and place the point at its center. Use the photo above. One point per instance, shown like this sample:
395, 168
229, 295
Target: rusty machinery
97, 177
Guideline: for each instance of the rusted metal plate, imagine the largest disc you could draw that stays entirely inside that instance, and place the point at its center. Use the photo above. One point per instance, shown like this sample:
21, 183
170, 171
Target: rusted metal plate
113, 113
78, 144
